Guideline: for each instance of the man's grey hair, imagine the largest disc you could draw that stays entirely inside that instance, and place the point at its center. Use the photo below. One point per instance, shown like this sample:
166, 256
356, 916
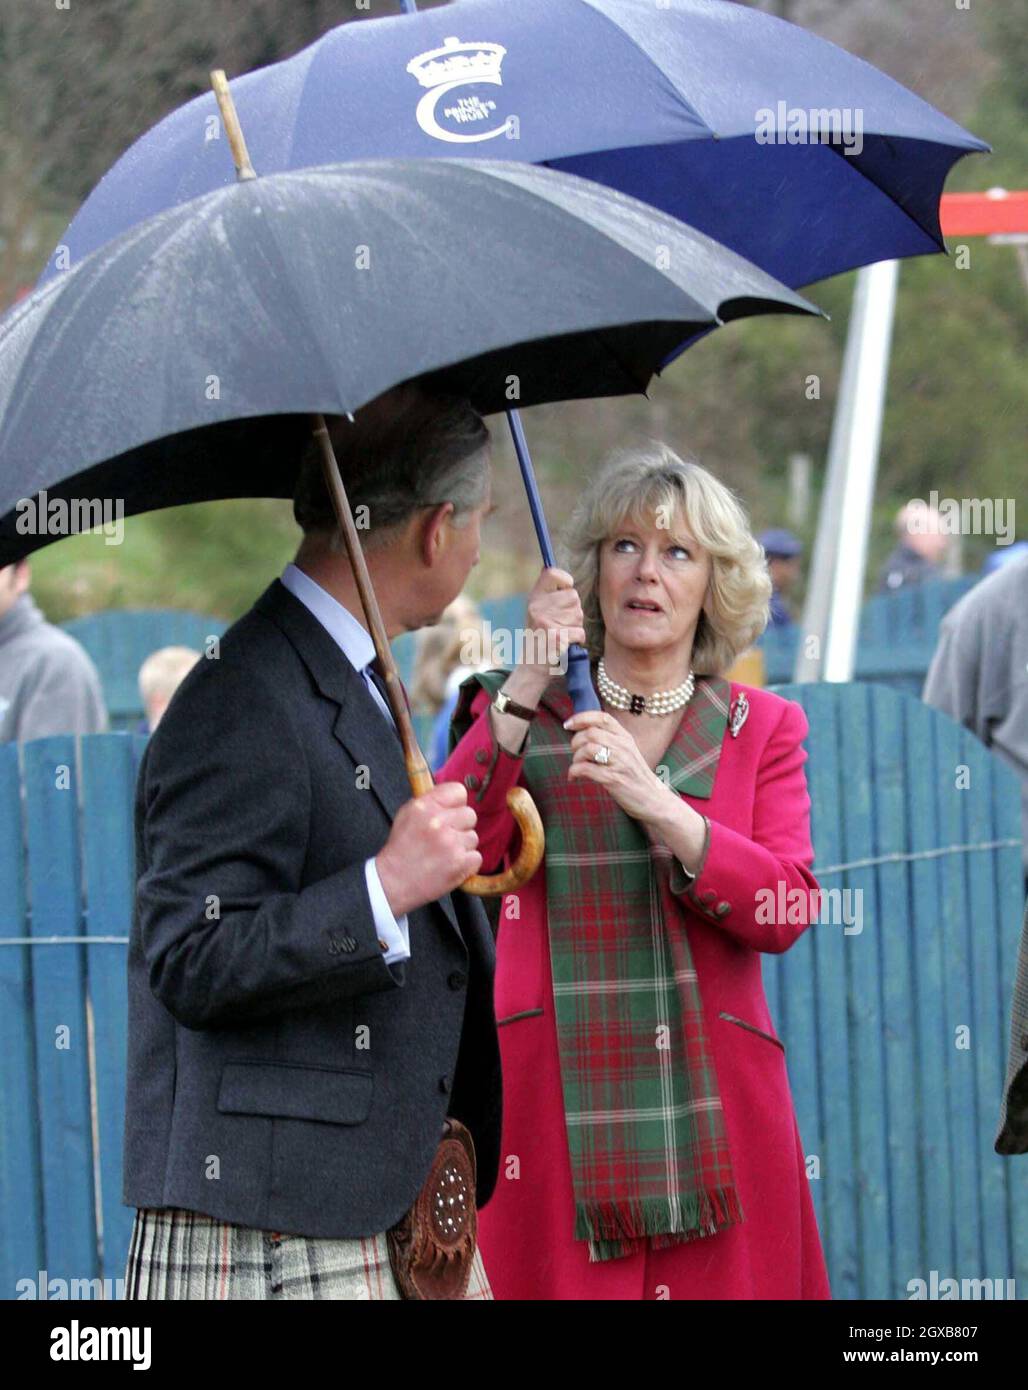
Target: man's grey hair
404, 451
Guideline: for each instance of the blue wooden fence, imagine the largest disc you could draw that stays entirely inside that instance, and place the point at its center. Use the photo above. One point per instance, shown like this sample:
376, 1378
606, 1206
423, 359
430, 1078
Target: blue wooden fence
899, 1118
898, 633
913, 814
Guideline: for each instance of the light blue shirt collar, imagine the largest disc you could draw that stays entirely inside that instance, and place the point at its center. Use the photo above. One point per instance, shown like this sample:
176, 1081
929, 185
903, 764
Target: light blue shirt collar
340, 624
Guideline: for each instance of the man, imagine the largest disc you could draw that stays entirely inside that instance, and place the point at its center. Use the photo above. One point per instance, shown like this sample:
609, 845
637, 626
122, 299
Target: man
48, 685
783, 551
921, 545
979, 677
308, 998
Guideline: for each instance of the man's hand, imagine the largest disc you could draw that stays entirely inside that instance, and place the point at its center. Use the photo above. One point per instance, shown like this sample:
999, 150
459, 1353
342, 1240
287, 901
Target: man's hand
431, 848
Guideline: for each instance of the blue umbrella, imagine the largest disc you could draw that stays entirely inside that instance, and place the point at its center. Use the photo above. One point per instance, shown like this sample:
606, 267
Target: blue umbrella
783, 147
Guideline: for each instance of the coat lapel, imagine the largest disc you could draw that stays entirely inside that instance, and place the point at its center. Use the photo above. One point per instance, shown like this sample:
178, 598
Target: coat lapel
360, 726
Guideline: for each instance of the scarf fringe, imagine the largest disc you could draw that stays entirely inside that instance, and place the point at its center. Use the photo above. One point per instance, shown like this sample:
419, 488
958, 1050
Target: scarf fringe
616, 1229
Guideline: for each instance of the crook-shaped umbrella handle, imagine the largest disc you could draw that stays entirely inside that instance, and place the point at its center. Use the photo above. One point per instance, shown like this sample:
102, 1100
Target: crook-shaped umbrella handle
523, 809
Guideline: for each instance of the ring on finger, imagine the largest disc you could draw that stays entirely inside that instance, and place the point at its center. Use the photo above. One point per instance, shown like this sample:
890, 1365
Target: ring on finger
602, 755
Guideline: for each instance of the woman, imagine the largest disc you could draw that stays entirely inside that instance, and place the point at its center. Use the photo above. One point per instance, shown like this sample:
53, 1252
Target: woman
650, 1147
439, 668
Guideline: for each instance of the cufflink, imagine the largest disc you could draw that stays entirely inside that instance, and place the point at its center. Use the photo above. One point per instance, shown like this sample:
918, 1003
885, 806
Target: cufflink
383, 944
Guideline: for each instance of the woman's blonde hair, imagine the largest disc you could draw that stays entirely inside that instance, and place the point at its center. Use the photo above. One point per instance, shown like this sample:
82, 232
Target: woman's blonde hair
654, 486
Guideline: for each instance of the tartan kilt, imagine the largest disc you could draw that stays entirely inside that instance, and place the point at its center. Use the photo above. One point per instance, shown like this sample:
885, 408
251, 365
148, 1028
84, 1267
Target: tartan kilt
176, 1254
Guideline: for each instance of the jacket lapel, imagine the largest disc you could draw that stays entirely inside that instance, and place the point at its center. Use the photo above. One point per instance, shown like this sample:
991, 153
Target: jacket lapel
360, 726
695, 751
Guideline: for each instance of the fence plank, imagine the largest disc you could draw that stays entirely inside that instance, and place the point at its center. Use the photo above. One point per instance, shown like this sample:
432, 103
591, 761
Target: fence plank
889, 761
930, 966
108, 852
1008, 867
867, 1074
58, 1000
989, 1023
21, 1199
956, 1001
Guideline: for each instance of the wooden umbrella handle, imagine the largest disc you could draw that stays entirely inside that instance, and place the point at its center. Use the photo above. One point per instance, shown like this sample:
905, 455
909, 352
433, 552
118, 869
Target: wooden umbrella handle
419, 775
533, 842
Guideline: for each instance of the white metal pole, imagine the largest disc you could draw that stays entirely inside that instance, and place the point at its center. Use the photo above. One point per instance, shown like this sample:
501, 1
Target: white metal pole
871, 327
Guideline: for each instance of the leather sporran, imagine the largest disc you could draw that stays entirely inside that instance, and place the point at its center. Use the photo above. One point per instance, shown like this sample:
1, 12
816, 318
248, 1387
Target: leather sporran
432, 1248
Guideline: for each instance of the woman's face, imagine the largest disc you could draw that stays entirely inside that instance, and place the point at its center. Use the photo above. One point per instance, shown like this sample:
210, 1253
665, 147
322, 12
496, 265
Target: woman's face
652, 585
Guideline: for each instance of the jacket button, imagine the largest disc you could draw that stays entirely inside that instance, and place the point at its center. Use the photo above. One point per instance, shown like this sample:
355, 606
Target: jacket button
444, 1085
471, 781
723, 909
707, 897
457, 979
481, 756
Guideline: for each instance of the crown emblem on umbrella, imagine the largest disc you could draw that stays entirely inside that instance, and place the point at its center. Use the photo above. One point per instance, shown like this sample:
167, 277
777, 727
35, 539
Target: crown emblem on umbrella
457, 61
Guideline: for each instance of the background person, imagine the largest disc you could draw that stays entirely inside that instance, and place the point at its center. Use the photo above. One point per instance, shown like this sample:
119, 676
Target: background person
979, 671
160, 676
783, 551
439, 668
48, 685
919, 551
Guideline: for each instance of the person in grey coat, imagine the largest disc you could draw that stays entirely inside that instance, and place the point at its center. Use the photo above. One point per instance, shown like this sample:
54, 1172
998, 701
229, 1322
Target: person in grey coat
48, 685
309, 998
979, 677
979, 672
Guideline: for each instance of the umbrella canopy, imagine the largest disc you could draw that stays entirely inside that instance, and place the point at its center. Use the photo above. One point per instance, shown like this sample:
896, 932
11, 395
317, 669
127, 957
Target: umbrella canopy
315, 292
782, 146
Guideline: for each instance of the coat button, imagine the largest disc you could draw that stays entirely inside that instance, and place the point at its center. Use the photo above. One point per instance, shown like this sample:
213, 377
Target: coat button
457, 979
444, 1085
471, 781
723, 909
481, 756
707, 897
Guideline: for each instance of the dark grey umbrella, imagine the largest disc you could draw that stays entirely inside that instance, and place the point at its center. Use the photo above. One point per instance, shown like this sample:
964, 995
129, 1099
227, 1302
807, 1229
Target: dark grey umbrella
182, 350
147, 374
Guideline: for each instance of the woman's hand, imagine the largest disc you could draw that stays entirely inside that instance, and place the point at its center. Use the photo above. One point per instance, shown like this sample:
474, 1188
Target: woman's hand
630, 780
633, 784
555, 621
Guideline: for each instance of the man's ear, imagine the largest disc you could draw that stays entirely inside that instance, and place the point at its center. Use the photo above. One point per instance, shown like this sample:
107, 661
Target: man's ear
433, 533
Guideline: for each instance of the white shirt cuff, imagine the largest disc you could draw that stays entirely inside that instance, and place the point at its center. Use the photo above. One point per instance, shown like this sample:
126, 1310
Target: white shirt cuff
394, 933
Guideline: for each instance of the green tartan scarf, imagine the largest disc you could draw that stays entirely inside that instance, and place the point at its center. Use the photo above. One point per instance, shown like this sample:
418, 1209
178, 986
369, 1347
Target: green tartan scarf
646, 1134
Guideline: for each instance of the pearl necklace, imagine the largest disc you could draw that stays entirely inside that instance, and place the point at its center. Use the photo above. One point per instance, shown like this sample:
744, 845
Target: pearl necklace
660, 702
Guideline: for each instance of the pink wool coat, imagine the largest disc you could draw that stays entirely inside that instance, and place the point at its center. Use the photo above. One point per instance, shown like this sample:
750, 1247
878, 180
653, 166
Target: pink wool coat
759, 812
